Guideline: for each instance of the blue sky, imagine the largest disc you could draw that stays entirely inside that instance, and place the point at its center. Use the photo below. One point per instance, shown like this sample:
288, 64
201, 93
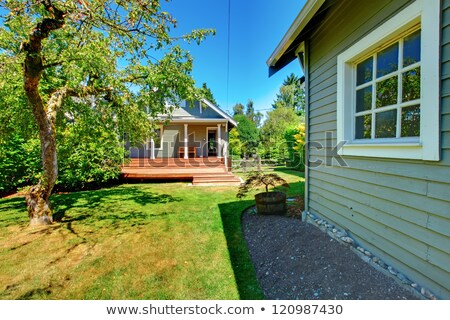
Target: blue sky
257, 27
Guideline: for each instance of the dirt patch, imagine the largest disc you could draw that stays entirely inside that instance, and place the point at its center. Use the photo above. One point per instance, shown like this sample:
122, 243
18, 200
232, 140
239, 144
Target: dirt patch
296, 260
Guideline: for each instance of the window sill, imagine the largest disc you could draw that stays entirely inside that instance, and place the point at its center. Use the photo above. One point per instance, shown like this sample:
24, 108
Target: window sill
384, 150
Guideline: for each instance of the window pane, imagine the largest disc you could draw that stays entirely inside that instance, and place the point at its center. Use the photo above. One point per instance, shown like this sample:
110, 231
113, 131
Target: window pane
364, 99
364, 71
411, 85
387, 92
387, 60
411, 121
385, 124
363, 127
411, 49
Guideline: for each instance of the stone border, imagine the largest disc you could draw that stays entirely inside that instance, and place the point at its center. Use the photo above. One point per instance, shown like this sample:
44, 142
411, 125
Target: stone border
368, 257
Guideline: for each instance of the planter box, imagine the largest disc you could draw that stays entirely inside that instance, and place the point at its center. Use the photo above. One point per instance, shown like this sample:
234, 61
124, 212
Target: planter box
271, 203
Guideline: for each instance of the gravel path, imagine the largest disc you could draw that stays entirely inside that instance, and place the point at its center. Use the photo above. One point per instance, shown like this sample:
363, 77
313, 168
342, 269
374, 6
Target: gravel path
296, 260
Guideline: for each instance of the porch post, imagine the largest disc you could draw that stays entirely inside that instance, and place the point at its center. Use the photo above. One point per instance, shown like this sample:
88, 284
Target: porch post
186, 155
219, 141
152, 149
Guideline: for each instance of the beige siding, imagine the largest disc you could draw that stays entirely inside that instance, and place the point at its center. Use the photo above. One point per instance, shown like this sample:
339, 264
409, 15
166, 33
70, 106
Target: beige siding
400, 209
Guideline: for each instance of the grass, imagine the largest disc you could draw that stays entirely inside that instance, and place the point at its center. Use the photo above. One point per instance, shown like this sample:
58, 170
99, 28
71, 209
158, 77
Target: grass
137, 241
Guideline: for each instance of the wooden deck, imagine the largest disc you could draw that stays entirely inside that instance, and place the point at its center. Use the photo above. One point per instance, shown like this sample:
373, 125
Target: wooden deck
201, 171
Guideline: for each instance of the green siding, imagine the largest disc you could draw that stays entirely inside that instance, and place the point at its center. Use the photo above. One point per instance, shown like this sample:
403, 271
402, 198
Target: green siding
399, 209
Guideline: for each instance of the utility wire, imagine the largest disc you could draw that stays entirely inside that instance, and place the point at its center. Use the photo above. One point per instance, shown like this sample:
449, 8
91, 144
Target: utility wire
228, 55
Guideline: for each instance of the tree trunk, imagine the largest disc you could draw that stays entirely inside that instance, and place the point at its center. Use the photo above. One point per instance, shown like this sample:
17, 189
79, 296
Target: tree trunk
37, 199
39, 208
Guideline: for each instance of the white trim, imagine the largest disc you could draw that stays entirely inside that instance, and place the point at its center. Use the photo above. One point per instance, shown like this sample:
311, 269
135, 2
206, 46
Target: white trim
306, 14
206, 138
152, 149
219, 140
186, 141
217, 109
426, 13
198, 120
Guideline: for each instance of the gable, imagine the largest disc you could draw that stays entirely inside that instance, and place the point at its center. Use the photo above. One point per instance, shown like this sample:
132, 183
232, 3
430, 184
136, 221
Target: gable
203, 109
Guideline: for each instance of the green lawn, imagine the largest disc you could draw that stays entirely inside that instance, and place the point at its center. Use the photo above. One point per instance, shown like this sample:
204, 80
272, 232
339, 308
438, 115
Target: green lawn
137, 241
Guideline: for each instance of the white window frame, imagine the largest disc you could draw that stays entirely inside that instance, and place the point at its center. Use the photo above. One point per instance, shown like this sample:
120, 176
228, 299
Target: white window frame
427, 14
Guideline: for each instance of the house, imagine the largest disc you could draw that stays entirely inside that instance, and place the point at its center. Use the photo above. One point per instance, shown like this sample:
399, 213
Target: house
191, 144
377, 77
193, 131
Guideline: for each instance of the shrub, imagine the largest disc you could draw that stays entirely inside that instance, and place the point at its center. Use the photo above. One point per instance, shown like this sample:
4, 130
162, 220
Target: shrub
88, 160
20, 162
295, 140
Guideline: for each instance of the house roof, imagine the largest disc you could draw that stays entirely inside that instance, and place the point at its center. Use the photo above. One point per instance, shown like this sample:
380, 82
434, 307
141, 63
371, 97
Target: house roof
284, 53
190, 115
220, 111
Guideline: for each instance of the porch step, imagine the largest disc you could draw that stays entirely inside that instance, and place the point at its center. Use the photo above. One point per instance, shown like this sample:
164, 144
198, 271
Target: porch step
218, 179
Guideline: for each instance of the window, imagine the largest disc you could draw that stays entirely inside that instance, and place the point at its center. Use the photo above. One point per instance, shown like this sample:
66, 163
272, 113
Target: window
388, 88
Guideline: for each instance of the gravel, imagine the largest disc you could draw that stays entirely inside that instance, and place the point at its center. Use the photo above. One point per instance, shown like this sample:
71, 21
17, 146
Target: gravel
296, 260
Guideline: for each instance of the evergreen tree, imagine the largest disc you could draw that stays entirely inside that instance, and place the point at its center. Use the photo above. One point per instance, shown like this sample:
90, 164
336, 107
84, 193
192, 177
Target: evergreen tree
206, 93
238, 109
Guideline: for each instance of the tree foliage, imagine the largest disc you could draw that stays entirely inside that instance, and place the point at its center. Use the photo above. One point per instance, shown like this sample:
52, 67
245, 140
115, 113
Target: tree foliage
253, 116
291, 95
206, 93
238, 109
117, 58
247, 134
235, 144
295, 140
273, 132
259, 179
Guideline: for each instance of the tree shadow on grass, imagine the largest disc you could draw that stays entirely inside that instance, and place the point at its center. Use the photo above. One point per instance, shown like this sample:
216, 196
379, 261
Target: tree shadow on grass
13, 212
113, 204
244, 271
110, 207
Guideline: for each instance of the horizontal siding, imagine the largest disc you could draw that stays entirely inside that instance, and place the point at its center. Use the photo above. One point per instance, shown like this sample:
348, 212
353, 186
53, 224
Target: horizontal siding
391, 228
445, 4
325, 105
445, 23
414, 216
445, 69
324, 72
446, 30
446, 122
348, 30
422, 202
317, 95
320, 127
445, 105
399, 208
446, 140
326, 117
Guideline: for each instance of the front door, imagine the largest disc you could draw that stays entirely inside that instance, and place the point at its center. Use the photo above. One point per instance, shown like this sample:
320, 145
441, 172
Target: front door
212, 143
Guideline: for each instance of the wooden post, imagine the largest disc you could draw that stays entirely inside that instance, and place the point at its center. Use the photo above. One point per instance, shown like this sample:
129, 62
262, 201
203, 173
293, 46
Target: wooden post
152, 149
219, 141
